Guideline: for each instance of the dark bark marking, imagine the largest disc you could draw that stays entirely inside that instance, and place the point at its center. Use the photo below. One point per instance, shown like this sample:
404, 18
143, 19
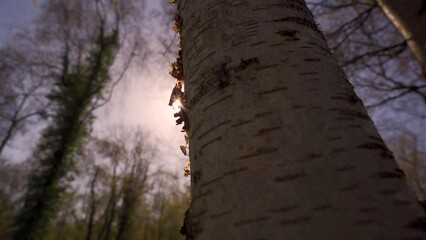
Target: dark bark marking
264, 114
272, 91
418, 224
325, 50
312, 60
250, 221
286, 208
314, 156
195, 53
192, 46
343, 119
422, 9
334, 138
222, 76
196, 129
413, 238
322, 207
247, 23
235, 171
377, 146
396, 173
290, 177
401, 203
260, 151
295, 65
337, 150
349, 187
217, 102
202, 135
308, 73
190, 227
300, 21
210, 142
368, 209
350, 113
289, 35
215, 3
375, 138
389, 192
204, 194
247, 36
296, 221
259, 8
245, 64
211, 181
258, 43
295, 7
196, 175
311, 90
197, 66
199, 214
334, 128
221, 214
297, 106
240, 123
363, 222
354, 126
201, 27
346, 97
312, 79
267, 130
345, 168
202, 90
267, 66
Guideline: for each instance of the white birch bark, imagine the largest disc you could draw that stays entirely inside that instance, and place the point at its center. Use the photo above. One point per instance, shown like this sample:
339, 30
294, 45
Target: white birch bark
409, 17
280, 146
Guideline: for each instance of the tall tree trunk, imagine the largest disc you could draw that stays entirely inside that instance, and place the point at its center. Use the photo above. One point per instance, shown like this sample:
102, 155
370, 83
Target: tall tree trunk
409, 17
92, 205
280, 145
110, 210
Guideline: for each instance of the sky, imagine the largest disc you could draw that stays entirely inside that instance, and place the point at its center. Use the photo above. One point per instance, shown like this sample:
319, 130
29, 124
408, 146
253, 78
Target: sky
139, 102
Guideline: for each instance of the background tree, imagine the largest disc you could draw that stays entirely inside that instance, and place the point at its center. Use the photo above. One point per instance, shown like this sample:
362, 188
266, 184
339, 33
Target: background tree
90, 42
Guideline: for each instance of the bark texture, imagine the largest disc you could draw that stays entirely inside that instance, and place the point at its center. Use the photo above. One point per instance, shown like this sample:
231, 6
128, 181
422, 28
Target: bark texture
409, 17
281, 147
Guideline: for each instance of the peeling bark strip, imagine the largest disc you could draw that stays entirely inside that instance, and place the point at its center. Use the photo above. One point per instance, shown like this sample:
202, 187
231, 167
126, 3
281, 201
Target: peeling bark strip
275, 125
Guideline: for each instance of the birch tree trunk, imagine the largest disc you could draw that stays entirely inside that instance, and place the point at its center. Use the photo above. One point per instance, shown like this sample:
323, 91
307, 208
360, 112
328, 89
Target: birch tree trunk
280, 146
409, 17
